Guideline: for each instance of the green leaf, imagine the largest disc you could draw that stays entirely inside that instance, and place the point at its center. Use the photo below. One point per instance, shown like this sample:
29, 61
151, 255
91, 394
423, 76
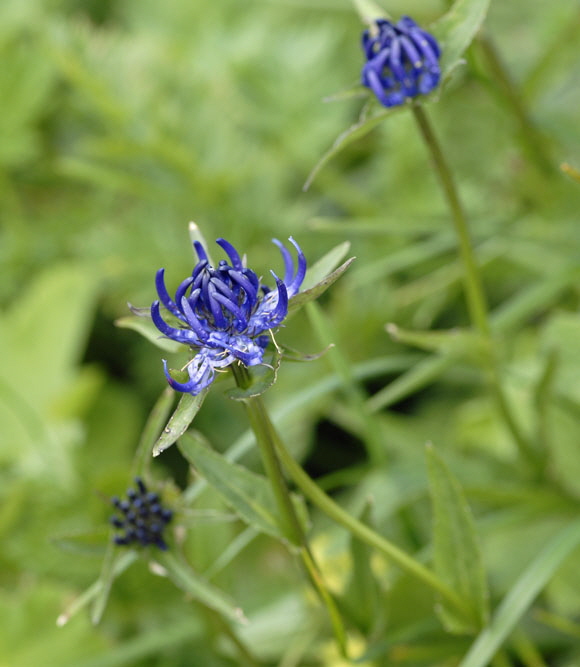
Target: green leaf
238, 544
456, 554
362, 595
184, 414
155, 422
145, 327
314, 292
99, 588
371, 115
515, 604
114, 563
88, 543
455, 31
459, 343
325, 265
198, 587
419, 375
248, 494
262, 378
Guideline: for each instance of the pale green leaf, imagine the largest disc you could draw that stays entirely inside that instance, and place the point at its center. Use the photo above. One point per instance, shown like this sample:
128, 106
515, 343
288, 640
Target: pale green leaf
314, 292
99, 589
325, 265
456, 29
198, 587
459, 343
115, 562
145, 327
248, 494
371, 116
515, 604
180, 420
456, 553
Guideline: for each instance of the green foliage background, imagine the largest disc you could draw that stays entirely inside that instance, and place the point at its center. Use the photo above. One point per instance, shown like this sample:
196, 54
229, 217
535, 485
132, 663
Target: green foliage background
123, 120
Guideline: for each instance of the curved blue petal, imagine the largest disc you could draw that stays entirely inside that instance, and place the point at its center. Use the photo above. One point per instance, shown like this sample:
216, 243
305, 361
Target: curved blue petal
232, 253
200, 250
182, 289
245, 283
179, 335
164, 294
294, 287
201, 375
288, 261
193, 320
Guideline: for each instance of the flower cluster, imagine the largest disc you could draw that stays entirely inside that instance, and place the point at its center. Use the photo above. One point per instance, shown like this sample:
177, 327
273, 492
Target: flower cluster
141, 518
402, 61
224, 312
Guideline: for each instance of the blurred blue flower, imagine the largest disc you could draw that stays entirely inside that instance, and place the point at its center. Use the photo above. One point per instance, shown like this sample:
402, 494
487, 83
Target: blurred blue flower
402, 61
141, 518
223, 312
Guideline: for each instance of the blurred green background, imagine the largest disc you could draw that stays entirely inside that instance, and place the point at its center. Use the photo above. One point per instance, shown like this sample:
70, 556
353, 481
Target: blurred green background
121, 121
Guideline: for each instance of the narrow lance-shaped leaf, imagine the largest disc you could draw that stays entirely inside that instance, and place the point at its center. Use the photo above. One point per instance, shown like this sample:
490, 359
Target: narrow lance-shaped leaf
456, 29
114, 563
314, 292
100, 589
144, 326
248, 494
184, 414
456, 554
325, 265
155, 423
198, 587
514, 605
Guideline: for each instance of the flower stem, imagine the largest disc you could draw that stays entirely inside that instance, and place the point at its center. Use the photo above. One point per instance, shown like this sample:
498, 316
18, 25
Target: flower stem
476, 301
393, 553
475, 294
266, 437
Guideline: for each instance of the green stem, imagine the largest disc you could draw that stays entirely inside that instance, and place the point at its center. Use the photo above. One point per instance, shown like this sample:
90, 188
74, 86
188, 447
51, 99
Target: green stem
313, 492
475, 294
476, 301
266, 437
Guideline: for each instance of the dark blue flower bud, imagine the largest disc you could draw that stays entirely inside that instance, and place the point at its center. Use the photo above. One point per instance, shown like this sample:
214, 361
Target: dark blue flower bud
143, 518
402, 61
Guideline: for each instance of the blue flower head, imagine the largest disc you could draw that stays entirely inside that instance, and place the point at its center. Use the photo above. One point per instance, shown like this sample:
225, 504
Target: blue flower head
141, 518
224, 312
402, 61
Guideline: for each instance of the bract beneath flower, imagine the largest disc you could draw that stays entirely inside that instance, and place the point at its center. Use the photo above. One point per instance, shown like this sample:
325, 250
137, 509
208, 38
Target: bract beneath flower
225, 312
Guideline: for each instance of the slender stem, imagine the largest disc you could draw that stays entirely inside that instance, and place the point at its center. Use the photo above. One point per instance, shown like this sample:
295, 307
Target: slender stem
246, 658
475, 294
266, 437
261, 425
476, 301
313, 492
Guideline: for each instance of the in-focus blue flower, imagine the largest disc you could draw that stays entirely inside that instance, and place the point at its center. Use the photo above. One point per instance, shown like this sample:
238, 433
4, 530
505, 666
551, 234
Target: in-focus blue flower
402, 61
224, 312
141, 518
